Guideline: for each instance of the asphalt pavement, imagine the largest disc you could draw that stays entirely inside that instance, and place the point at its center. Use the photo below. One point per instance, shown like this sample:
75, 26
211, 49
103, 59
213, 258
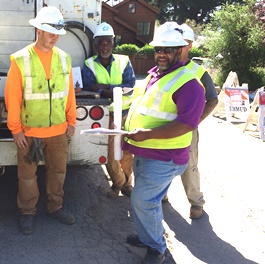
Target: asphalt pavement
231, 231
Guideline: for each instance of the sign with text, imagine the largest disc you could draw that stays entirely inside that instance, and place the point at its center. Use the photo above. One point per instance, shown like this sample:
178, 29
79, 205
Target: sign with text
236, 100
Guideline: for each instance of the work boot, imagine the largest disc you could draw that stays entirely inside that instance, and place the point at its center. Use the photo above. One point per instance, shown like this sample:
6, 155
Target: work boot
196, 212
63, 216
26, 224
127, 190
135, 241
113, 192
153, 257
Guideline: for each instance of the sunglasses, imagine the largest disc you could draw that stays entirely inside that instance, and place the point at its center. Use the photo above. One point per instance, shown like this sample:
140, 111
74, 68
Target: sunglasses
56, 26
165, 50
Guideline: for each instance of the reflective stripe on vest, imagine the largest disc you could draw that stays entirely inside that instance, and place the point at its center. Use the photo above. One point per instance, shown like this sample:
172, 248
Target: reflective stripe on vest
147, 105
114, 78
117, 68
154, 111
39, 93
29, 95
197, 69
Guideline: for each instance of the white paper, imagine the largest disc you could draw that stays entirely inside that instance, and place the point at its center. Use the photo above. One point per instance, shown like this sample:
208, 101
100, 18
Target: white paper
78, 83
103, 131
126, 90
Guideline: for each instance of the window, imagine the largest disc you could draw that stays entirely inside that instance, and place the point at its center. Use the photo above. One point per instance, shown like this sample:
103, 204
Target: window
117, 40
132, 8
143, 28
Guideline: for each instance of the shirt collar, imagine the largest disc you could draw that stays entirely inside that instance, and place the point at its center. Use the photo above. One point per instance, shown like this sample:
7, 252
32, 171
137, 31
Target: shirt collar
155, 69
97, 59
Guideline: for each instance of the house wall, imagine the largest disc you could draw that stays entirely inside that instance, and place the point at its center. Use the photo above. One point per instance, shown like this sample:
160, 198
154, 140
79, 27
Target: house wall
142, 14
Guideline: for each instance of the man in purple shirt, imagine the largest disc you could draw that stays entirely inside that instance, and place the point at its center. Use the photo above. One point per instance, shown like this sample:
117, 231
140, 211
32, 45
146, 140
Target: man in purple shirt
165, 111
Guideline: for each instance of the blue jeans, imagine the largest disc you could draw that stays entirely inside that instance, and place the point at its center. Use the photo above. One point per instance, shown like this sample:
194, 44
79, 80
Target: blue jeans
152, 180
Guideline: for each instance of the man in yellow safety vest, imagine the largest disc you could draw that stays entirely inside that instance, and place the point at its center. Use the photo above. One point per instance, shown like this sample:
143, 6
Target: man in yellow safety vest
166, 108
101, 73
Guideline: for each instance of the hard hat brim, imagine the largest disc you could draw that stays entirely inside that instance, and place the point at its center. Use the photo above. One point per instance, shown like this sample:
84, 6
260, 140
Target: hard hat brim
164, 43
103, 36
35, 23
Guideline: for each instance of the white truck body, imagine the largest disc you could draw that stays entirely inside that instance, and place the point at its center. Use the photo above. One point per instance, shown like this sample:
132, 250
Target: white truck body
81, 18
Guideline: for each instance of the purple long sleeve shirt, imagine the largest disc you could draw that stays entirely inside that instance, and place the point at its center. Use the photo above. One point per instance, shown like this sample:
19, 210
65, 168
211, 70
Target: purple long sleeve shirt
190, 100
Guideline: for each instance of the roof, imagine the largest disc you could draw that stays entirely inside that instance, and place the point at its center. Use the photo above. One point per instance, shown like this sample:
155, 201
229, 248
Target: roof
153, 9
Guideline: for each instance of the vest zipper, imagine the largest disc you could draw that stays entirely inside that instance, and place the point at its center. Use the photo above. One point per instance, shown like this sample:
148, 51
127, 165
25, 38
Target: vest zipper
50, 92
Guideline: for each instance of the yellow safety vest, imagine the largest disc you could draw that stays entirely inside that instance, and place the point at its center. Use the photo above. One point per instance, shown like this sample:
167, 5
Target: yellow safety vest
197, 69
44, 101
114, 78
155, 107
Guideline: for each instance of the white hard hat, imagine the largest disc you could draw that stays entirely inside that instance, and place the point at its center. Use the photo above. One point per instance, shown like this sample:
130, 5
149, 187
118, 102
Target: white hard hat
171, 24
168, 35
49, 19
187, 32
104, 29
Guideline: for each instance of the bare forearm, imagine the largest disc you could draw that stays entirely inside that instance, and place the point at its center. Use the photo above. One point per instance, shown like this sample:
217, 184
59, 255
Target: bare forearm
209, 107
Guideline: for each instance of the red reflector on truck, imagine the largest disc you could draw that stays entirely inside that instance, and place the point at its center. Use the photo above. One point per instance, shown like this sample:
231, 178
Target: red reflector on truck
96, 125
102, 159
96, 112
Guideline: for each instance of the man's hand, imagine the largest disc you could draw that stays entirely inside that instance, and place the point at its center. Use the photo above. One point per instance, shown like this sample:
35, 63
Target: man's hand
20, 140
139, 134
70, 131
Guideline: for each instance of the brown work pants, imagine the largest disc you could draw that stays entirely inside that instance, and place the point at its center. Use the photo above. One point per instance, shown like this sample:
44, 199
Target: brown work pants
55, 155
191, 176
120, 171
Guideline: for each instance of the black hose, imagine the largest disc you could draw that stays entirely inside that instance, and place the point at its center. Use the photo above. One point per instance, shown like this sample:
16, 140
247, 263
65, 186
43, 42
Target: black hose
85, 29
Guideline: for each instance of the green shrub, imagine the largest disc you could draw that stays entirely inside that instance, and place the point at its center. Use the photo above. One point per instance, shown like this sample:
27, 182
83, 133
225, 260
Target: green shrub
195, 52
126, 49
255, 78
146, 50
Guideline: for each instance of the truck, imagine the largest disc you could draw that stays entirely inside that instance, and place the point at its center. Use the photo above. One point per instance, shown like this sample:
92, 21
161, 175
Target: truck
81, 17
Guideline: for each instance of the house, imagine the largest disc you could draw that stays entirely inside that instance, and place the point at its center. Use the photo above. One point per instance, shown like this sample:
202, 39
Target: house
133, 21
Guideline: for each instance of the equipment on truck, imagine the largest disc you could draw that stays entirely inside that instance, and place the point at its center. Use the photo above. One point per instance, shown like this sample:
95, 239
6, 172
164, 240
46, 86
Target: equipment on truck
81, 18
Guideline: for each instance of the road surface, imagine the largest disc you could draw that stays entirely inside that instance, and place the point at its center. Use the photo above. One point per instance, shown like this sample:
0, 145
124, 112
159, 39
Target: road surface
231, 231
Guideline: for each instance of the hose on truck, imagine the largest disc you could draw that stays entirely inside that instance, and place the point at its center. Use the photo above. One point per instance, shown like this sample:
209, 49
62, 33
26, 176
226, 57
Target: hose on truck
78, 25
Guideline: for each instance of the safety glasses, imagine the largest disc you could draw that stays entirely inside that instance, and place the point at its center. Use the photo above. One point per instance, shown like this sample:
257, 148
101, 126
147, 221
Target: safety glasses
179, 30
56, 26
166, 50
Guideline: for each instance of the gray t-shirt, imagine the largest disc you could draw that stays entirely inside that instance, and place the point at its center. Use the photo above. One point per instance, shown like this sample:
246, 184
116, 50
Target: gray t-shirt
210, 91
206, 80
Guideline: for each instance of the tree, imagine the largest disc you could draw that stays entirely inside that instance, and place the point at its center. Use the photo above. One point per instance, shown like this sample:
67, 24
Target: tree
237, 34
181, 10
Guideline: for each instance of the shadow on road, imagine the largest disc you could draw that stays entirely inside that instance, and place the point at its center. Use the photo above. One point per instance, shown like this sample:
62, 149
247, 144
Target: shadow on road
201, 240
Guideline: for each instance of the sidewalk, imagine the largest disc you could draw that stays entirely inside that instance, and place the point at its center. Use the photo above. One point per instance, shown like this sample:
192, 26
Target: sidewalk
232, 229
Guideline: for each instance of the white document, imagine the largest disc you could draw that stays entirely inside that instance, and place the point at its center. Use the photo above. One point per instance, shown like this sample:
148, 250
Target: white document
103, 131
78, 83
